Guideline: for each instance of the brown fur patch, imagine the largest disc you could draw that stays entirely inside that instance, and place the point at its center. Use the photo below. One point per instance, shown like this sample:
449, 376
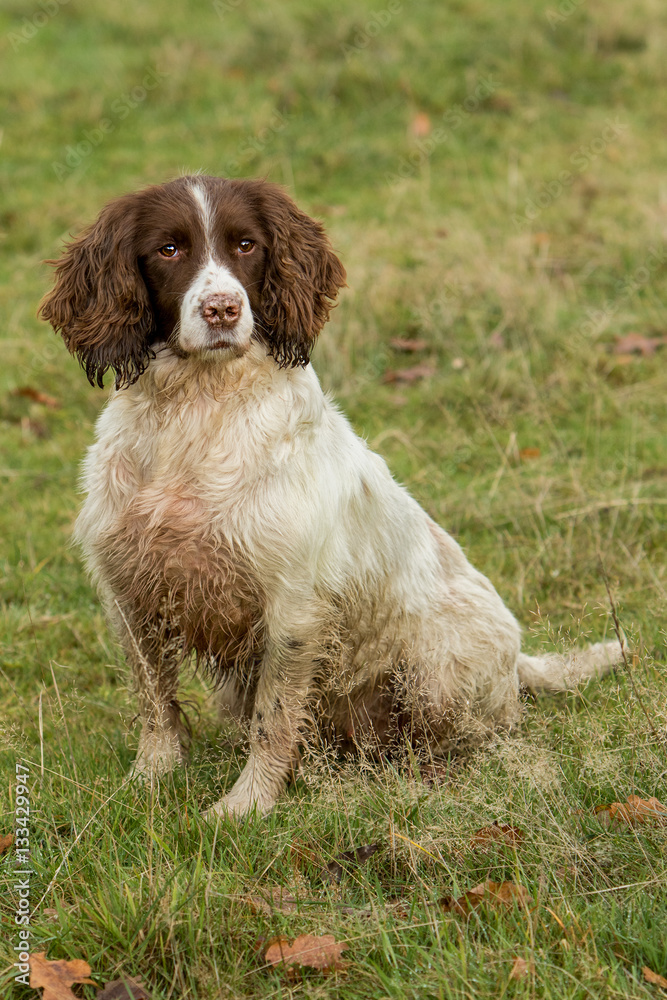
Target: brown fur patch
183, 590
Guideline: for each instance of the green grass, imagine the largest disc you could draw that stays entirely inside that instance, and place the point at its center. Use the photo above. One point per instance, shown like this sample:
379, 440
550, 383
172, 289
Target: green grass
520, 246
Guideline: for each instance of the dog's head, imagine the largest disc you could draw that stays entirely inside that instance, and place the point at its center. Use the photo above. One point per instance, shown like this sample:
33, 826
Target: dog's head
201, 263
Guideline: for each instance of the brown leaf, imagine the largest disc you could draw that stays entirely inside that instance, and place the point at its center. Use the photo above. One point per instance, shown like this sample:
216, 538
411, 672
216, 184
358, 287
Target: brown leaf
409, 374
636, 343
498, 833
273, 901
521, 968
528, 453
6, 842
123, 989
655, 978
493, 893
313, 952
56, 976
349, 859
634, 811
37, 397
404, 344
420, 126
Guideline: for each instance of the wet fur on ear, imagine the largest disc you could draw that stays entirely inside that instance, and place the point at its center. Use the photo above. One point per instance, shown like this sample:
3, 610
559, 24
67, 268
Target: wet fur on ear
301, 280
99, 303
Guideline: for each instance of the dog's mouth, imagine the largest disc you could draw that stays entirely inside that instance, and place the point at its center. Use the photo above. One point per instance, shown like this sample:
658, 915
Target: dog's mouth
223, 343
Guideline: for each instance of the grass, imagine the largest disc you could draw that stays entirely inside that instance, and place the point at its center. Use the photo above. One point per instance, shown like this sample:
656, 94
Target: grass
520, 239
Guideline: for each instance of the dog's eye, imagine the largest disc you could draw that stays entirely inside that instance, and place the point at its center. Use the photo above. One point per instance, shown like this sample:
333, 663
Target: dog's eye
168, 250
246, 246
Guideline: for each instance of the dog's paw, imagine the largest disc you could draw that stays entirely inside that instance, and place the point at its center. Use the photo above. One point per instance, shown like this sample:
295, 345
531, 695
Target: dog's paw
156, 757
238, 806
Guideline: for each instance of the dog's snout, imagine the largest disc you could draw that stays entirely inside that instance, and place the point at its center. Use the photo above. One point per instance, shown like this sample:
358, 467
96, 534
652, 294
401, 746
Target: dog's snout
222, 309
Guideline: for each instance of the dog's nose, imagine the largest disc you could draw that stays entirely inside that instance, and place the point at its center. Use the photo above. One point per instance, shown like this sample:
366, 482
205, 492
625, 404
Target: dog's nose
222, 309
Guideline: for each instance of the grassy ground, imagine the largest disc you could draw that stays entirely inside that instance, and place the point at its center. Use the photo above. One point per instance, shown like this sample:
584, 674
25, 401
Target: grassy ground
493, 177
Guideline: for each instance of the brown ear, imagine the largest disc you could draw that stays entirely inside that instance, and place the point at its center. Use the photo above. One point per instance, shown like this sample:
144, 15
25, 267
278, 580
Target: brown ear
99, 303
301, 280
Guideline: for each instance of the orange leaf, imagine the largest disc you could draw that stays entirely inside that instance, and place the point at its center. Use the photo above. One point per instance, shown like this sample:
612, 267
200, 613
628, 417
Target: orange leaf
527, 453
404, 344
409, 374
36, 396
634, 811
321, 953
653, 977
636, 343
420, 125
55, 977
520, 968
499, 833
6, 842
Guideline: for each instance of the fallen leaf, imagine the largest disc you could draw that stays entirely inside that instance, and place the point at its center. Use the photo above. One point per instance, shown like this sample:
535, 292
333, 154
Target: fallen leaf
349, 859
123, 989
497, 833
634, 811
520, 968
528, 453
493, 893
313, 952
654, 978
37, 397
409, 374
420, 125
6, 842
404, 344
56, 976
277, 902
636, 343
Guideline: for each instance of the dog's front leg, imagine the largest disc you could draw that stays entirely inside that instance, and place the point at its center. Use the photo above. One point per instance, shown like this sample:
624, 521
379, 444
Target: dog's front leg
284, 692
155, 674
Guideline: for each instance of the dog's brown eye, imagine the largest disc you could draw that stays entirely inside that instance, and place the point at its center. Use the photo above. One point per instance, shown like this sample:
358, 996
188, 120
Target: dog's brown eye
246, 246
168, 250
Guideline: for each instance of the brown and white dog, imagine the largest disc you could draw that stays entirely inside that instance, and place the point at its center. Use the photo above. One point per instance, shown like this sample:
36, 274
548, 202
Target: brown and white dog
232, 513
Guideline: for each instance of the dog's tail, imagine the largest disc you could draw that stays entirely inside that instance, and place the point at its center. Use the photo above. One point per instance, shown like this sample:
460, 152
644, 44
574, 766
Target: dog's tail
554, 672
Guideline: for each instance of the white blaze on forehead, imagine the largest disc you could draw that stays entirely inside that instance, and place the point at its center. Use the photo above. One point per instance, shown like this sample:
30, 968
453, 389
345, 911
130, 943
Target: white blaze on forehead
206, 212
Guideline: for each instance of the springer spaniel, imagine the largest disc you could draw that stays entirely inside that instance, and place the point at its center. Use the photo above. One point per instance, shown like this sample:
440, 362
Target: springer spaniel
232, 513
